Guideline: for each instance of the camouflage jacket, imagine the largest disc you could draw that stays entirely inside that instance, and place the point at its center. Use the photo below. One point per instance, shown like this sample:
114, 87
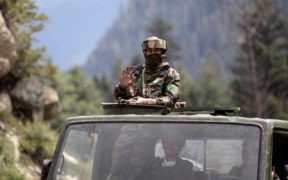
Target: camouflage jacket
163, 85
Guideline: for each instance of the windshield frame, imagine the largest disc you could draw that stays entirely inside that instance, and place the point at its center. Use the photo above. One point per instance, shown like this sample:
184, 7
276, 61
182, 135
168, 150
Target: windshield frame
160, 119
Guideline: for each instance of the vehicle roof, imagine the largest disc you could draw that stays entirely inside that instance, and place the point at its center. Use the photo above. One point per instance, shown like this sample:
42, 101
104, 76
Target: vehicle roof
273, 123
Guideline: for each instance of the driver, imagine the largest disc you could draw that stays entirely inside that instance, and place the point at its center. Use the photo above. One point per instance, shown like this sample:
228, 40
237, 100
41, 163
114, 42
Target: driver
171, 167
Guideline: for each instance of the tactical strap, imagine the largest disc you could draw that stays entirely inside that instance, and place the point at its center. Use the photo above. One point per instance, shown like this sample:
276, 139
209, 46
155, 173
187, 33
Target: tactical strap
143, 83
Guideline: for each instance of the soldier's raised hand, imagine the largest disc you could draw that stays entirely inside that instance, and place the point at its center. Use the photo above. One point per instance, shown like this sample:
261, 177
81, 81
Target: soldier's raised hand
127, 78
127, 81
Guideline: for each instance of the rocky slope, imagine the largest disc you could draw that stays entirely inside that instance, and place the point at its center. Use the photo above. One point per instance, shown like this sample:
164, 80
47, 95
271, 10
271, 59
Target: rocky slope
27, 99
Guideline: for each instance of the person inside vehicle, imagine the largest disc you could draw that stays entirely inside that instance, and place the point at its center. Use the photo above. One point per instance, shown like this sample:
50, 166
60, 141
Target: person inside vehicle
155, 83
172, 166
274, 174
248, 169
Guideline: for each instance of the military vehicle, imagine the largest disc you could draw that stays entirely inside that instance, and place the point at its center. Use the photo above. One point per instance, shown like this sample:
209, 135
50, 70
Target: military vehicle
220, 144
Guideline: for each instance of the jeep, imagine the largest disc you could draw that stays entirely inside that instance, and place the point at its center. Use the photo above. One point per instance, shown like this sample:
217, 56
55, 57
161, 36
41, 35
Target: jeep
218, 143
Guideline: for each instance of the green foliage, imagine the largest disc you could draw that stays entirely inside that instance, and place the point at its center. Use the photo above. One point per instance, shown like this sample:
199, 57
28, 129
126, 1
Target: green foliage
10, 173
24, 20
207, 90
213, 88
6, 151
8, 170
260, 75
10, 120
190, 92
78, 95
274, 106
38, 141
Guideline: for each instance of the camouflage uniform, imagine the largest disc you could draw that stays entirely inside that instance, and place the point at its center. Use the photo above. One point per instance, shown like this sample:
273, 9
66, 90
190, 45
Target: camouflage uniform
134, 148
163, 85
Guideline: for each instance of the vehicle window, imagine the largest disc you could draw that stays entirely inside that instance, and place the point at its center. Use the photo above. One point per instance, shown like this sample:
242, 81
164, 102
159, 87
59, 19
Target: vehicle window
76, 159
221, 150
279, 155
223, 154
150, 151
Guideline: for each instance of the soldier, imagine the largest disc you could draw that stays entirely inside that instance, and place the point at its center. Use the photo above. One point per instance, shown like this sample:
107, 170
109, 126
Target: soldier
155, 83
171, 167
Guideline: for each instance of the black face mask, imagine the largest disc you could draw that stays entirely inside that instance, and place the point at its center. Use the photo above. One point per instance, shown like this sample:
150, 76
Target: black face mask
152, 61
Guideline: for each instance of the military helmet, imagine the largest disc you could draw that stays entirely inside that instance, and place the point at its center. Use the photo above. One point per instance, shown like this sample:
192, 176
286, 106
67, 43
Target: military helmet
154, 42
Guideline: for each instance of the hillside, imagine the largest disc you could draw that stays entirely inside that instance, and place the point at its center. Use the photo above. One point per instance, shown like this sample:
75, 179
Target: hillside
203, 29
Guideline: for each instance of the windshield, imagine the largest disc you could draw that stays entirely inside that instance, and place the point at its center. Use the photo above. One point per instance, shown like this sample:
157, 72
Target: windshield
159, 151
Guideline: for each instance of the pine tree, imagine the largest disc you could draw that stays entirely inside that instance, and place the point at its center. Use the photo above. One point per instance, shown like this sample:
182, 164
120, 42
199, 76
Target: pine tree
162, 29
190, 91
212, 86
260, 73
78, 95
207, 90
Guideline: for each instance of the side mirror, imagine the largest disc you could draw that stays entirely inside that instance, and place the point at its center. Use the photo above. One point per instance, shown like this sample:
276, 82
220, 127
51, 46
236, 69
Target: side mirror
45, 168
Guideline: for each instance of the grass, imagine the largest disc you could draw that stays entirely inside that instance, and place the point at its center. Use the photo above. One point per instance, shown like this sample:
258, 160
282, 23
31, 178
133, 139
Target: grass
8, 171
37, 141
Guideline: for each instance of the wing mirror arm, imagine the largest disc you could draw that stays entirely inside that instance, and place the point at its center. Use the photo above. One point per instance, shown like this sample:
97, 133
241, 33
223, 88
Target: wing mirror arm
45, 168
